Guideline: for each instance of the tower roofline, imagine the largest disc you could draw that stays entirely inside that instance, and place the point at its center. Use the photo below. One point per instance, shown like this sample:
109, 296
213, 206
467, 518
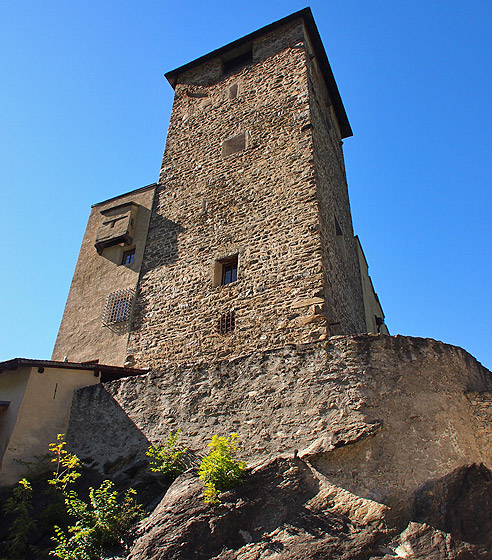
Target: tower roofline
307, 16
135, 191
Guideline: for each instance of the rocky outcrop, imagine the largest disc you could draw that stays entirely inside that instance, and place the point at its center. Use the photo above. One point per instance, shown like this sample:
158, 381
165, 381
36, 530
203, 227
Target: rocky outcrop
424, 542
285, 509
460, 504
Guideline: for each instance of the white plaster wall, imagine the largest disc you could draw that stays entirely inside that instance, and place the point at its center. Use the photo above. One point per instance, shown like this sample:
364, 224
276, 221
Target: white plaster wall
12, 387
43, 413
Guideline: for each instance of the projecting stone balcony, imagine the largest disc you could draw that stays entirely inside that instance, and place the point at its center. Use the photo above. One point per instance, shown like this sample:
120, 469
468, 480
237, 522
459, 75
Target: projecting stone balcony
117, 226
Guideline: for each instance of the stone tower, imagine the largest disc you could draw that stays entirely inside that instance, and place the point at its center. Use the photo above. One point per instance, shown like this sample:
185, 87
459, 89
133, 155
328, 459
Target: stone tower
250, 243
246, 241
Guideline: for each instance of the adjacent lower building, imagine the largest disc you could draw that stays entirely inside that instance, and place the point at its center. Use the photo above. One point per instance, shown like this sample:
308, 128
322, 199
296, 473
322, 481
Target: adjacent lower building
35, 400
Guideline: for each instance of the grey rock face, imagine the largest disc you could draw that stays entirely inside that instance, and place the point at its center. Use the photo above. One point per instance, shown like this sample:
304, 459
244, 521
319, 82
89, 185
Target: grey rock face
281, 509
285, 509
459, 503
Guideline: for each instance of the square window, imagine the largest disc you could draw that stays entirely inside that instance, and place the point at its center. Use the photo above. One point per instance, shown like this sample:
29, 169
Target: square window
128, 257
225, 271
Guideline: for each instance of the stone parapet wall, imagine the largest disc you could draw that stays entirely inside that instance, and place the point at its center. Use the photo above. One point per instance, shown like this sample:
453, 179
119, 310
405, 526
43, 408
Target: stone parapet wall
379, 415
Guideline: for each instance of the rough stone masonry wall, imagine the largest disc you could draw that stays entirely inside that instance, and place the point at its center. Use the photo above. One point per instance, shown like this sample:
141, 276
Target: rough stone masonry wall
379, 415
343, 290
259, 203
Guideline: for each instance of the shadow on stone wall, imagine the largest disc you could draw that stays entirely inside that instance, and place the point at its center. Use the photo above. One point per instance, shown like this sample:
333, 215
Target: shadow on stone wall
162, 242
103, 436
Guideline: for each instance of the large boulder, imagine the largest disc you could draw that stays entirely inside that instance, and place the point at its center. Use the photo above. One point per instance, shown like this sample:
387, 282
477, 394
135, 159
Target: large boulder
283, 507
287, 510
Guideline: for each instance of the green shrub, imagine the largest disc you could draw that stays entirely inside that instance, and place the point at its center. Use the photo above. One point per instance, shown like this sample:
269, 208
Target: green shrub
168, 459
19, 505
220, 470
93, 525
101, 523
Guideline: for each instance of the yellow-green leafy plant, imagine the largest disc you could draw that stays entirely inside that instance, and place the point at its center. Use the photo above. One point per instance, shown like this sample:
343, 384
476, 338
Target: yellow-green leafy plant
67, 465
170, 458
220, 470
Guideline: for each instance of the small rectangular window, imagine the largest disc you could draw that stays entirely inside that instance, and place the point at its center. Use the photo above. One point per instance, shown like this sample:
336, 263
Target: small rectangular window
128, 257
226, 322
235, 144
225, 271
229, 272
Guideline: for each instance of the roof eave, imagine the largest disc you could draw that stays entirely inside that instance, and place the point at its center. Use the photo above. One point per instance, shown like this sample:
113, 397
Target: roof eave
15, 363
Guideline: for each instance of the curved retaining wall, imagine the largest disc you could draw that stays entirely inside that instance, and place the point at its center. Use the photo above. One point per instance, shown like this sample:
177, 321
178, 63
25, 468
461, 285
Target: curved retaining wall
379, 415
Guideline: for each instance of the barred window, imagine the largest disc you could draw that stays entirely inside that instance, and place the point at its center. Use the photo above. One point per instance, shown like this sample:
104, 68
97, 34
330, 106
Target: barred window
118, 307
226, 322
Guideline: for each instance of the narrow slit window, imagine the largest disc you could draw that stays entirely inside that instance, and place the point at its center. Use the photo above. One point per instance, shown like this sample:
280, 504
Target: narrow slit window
340, 237
233, 91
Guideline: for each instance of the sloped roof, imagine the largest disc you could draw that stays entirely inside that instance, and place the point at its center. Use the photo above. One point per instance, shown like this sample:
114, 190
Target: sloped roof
108, 373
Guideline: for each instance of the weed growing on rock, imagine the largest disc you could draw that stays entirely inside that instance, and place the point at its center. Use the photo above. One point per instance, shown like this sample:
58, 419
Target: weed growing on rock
168, 459
89, 526
101, 523
220, 470
67, 465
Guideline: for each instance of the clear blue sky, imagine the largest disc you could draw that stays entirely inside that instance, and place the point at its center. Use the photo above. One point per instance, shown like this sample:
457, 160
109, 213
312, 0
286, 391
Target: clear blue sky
84, 110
